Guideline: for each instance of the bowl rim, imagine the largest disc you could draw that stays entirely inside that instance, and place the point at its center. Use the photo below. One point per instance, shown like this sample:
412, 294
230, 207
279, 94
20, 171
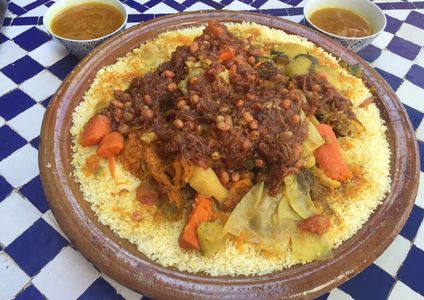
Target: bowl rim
340, 5
56, 4
135, 271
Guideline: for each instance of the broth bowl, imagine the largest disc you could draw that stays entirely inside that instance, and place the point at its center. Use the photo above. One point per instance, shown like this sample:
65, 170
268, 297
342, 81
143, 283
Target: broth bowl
81, 48
365, 8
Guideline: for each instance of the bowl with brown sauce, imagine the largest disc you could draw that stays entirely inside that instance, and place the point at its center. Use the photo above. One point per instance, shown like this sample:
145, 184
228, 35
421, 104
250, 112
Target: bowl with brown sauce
354, 24
82, 25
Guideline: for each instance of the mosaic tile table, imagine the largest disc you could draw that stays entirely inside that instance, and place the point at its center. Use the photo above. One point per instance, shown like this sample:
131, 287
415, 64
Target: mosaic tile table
36, 259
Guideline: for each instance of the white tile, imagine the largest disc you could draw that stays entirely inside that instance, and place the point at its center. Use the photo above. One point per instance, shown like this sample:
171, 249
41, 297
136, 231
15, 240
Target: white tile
400, 14
338, 294
41, 86
404, 292
6, 85
419, 239
411, 33
50, 219
12, 278
237, 5
419, 201
122, 290
66, 277
16, 216
199, 6
161, 8
2, 121
9, 14
10, 52
21, 166
36, 12
21, 3
383, 39
392, 63
295, 19
12, 31
419, 133
420, 58
393, 257
411, 95
28, 123
49, 53
272, 4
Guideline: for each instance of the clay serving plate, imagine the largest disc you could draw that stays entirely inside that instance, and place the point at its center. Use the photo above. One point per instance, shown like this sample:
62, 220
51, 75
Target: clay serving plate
120, 260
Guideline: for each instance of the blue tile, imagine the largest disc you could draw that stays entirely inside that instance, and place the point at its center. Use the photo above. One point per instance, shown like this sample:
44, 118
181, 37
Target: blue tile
46, 102
393, 24
17, 10
372, 276
413, 223
412, 271
402, 5
403, 48
258, 3
5, 188
211, 3
280, 12
64, 66
3, 38
391, 79
416, 75
7, 21
370, 53
414, 115
31, 39
38, 245
35, 4
35, 142
415, 18
100, 289
25, 21
14, 103
30, 293
323, 297
10, 141
34, 192
140, 18
22, 69
137, 6
295, 11
152, 3
421, 150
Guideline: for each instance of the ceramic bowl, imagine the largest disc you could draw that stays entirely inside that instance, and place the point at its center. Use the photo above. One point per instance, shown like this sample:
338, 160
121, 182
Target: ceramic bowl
365, 8
81, 48
121, 260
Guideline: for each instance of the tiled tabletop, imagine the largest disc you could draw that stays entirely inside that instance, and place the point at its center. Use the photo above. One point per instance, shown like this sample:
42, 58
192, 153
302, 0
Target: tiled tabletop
37, 260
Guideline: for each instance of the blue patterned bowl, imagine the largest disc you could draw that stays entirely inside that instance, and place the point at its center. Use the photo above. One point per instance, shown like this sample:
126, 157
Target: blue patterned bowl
81, 48
365, 8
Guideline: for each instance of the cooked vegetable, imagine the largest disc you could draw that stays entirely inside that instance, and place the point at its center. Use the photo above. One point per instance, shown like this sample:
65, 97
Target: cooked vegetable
312, 141
330, 74
111, 145
201, 212
207, 183
297, 192
317, 224
226, 54
285, 211
225, 75
328, 156
291, 49
301, 65
148, 137
211, 237
324, 179
308, 246
309, 161
95, 130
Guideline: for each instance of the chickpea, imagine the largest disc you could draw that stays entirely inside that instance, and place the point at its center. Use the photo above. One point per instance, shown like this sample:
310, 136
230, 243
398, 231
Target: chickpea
224, 178
247, 116
147, 99
295, 119
251, 60
223, 126
128, 104
254, 135
194, 47
178, 124
172, 87
117, 103
259, 163
181, 103
316, 88
146, 113
285, 104
193, 80
194, 99
123, 129
220, 119
239, 103
128, 116
253, 124
168, 74
235, 177
250, 96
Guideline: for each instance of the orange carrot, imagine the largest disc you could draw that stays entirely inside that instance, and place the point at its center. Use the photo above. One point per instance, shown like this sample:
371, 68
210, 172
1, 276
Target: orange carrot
95, 130
201, 212
329, 157
111, 144
226, 54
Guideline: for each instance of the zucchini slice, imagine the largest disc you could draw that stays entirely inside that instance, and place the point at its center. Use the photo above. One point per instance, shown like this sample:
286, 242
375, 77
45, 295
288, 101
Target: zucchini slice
302, 64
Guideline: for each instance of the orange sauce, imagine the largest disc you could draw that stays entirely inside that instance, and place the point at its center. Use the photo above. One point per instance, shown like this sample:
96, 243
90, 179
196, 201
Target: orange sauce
87, 21
341, 22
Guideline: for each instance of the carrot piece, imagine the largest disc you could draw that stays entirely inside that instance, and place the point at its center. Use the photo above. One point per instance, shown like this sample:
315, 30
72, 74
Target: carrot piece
96, 128
226, 54
329, 157
201, 212
111, 144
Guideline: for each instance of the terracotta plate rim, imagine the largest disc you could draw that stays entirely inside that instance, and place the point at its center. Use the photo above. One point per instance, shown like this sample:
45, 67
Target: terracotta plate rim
119, 260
